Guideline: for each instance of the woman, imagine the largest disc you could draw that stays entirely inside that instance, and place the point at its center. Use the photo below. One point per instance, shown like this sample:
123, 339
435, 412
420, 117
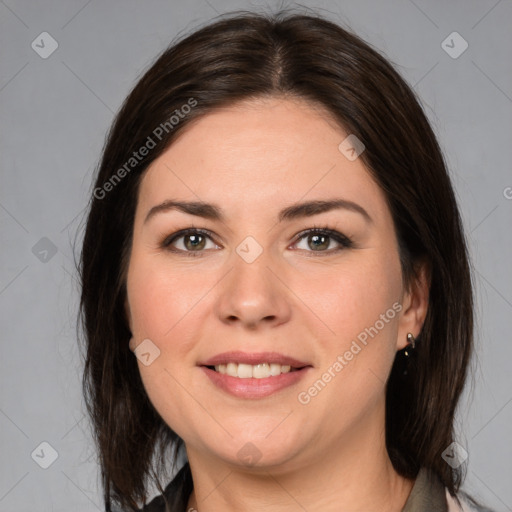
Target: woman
275, 282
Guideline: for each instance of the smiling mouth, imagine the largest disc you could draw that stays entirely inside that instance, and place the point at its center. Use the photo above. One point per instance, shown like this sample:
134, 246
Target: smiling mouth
250, 375
253, 371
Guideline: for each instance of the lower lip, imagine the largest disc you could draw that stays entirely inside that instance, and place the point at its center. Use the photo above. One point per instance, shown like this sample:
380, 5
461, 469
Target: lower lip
254, 388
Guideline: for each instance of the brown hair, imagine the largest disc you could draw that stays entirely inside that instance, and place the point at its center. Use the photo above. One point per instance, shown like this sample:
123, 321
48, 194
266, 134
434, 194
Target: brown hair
247, 56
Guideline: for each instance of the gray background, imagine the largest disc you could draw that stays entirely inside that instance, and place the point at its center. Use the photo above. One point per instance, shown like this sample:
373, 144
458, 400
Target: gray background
55, 113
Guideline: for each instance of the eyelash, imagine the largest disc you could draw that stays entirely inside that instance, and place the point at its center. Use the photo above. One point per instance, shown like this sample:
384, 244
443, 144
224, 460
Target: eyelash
341, 239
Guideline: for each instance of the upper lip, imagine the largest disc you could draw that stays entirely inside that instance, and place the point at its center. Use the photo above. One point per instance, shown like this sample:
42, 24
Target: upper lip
253, 358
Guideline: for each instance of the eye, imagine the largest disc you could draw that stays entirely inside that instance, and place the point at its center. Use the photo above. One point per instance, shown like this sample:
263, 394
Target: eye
195, 241
322, 240
190, 241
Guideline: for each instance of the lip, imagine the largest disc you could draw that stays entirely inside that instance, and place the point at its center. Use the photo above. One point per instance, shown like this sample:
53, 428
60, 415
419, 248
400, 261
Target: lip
254, 388
253, 358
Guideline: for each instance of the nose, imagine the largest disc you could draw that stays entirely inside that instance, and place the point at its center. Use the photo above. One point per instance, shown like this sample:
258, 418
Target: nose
251, 296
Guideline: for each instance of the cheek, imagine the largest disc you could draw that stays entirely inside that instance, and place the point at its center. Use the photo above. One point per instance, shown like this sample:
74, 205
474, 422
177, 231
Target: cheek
161, 298
351, 297
360, 303
161, 303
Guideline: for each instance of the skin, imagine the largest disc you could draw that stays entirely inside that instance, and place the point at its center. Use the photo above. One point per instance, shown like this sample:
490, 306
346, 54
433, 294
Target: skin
252, 160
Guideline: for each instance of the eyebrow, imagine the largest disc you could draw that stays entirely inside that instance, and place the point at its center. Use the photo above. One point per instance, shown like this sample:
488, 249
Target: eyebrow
295, 211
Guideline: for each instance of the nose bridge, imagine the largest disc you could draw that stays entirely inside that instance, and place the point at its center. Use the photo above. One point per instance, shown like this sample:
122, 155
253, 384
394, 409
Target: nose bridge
251, 293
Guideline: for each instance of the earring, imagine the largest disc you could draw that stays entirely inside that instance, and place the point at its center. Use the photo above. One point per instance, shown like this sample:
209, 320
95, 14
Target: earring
412, 343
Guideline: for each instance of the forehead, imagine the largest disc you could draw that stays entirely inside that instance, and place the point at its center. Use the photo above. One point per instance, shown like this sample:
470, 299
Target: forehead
267, 150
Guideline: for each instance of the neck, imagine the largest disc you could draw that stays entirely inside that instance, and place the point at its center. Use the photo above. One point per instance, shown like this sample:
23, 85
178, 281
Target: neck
353, 474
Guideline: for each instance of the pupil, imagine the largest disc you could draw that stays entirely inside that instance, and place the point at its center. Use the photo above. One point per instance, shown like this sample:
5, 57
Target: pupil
194, 241
324, 241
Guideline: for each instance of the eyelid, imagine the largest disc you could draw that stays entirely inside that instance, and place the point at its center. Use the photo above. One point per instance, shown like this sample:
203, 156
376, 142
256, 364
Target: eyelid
187, 231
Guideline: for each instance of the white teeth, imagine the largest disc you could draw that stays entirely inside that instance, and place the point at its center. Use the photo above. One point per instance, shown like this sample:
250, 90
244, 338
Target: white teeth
257, 371
244, 371
260, 371
231, 369
275, 369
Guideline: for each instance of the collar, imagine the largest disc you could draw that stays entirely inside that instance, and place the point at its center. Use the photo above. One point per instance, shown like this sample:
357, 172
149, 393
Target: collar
427, 493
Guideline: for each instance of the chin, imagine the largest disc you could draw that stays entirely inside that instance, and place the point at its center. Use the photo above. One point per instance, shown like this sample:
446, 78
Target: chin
260, 452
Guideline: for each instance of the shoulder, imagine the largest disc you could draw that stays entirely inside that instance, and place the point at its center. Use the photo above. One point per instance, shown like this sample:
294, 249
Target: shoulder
467, 504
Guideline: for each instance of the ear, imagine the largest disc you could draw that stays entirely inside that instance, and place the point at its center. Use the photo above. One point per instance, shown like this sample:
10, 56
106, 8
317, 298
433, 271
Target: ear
414, 304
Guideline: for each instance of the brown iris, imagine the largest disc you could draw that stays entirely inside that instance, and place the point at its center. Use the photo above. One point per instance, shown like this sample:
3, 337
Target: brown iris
318, 242
194, 242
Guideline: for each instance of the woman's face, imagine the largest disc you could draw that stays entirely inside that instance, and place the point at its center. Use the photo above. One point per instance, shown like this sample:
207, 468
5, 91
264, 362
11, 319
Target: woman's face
306, 324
